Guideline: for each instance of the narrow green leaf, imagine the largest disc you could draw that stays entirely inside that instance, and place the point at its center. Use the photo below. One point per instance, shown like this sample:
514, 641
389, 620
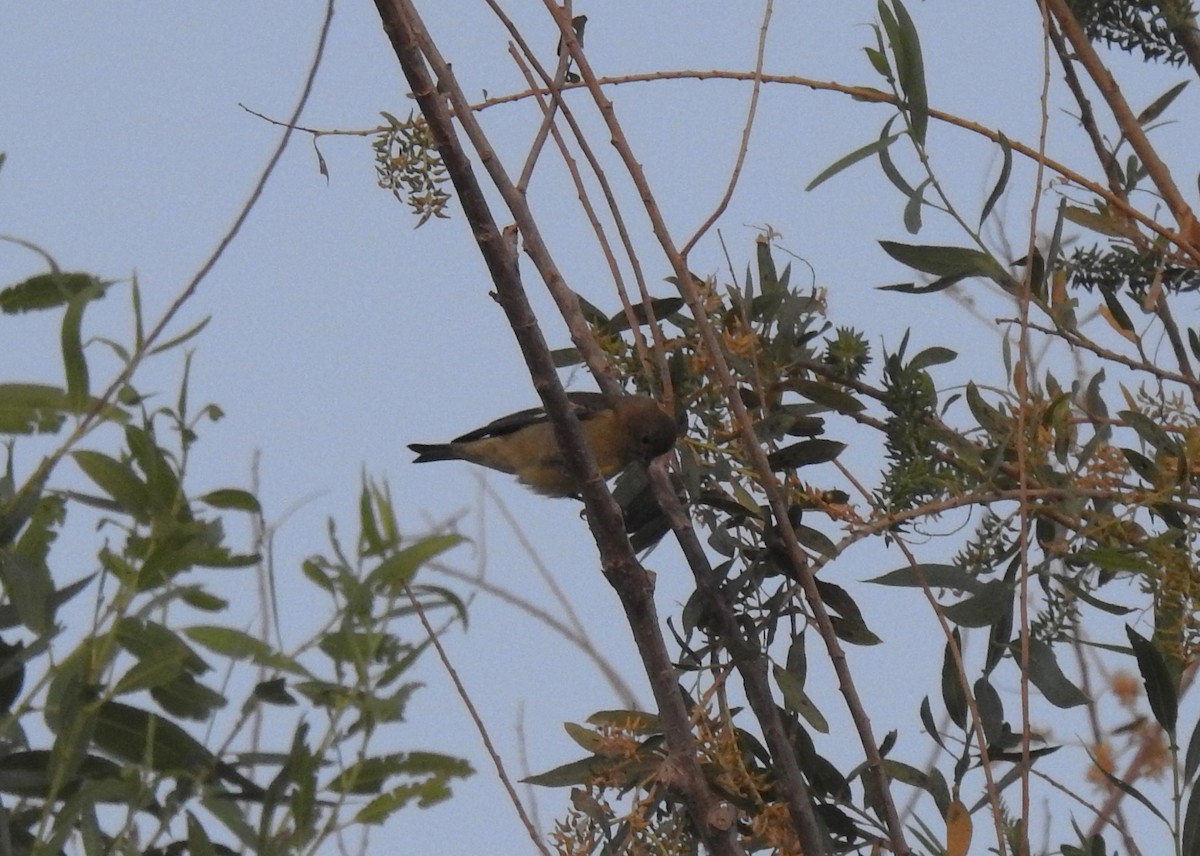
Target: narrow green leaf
1097, 221
661, 306
991, 709
912, 288
849, 160
850, 624
1192, 756
31, 408
910, 72
952, 692
945, 261
797, 700
989, 418
573, 773
983, 608
1161, 689
635, 721
187, 334
397, 570
1150, 431
829, 396
1160, 104
1191, 825
48, 290
585, 738
239, 645
817, 541
933, 574
74, 361
805, 453
1001, 182
1127, 788
29, 589
890, 170
927, 721
149, 673
934, 356
232, 499
912, 209
878, 60
1046, 675
117, 479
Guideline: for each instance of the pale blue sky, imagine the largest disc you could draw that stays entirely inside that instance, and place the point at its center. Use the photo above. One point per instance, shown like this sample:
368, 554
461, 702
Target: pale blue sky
339, 334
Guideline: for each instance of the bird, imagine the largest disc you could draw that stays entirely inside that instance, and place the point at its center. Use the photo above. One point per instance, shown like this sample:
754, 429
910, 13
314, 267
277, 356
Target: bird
619, 431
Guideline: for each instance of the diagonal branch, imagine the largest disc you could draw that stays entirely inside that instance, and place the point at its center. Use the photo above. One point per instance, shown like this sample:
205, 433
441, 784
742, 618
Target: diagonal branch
413, 49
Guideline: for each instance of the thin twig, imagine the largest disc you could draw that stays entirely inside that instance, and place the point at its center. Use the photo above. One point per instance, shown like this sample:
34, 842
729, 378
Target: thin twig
414, 49
1127, 122
744, 145
758, 457
473, 712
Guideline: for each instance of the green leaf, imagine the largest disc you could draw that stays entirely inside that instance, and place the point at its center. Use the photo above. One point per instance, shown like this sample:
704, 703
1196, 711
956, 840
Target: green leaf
933, 574
138, 736
118, 480
239, 645
32, 408
370, 774
989, 418
1150, 431
991, 709
176, 341
926, 713
817, 541
804, 453
1001, 182
661, 306
934, 356
29, 588
234, 499
1097, 222
149, 673
572, 773
33, 773
1127, 788
635, 721
1192, 756
984, 608
398, 570
828, 396
1046, 675
878, 60
946, 262
1160, 104
48, 290
849, 624
796, 699
910, 69
912, 208
74, 361
849, 160
1161, 689
952, 692
1191, 825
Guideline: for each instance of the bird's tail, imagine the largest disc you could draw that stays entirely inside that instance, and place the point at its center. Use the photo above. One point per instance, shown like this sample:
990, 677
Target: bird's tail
432, 452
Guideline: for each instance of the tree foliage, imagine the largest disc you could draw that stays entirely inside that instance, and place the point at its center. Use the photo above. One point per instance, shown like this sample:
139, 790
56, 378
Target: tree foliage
1079, 477
137, 713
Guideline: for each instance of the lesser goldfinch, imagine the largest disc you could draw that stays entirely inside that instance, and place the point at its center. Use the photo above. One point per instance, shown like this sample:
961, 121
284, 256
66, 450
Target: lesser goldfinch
630, 428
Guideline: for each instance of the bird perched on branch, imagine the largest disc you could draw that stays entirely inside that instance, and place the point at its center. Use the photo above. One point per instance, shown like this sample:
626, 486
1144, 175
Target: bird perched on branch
619, 431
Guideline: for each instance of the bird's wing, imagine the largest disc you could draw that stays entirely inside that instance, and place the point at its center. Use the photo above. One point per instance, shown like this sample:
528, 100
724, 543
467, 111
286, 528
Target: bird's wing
587, 405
